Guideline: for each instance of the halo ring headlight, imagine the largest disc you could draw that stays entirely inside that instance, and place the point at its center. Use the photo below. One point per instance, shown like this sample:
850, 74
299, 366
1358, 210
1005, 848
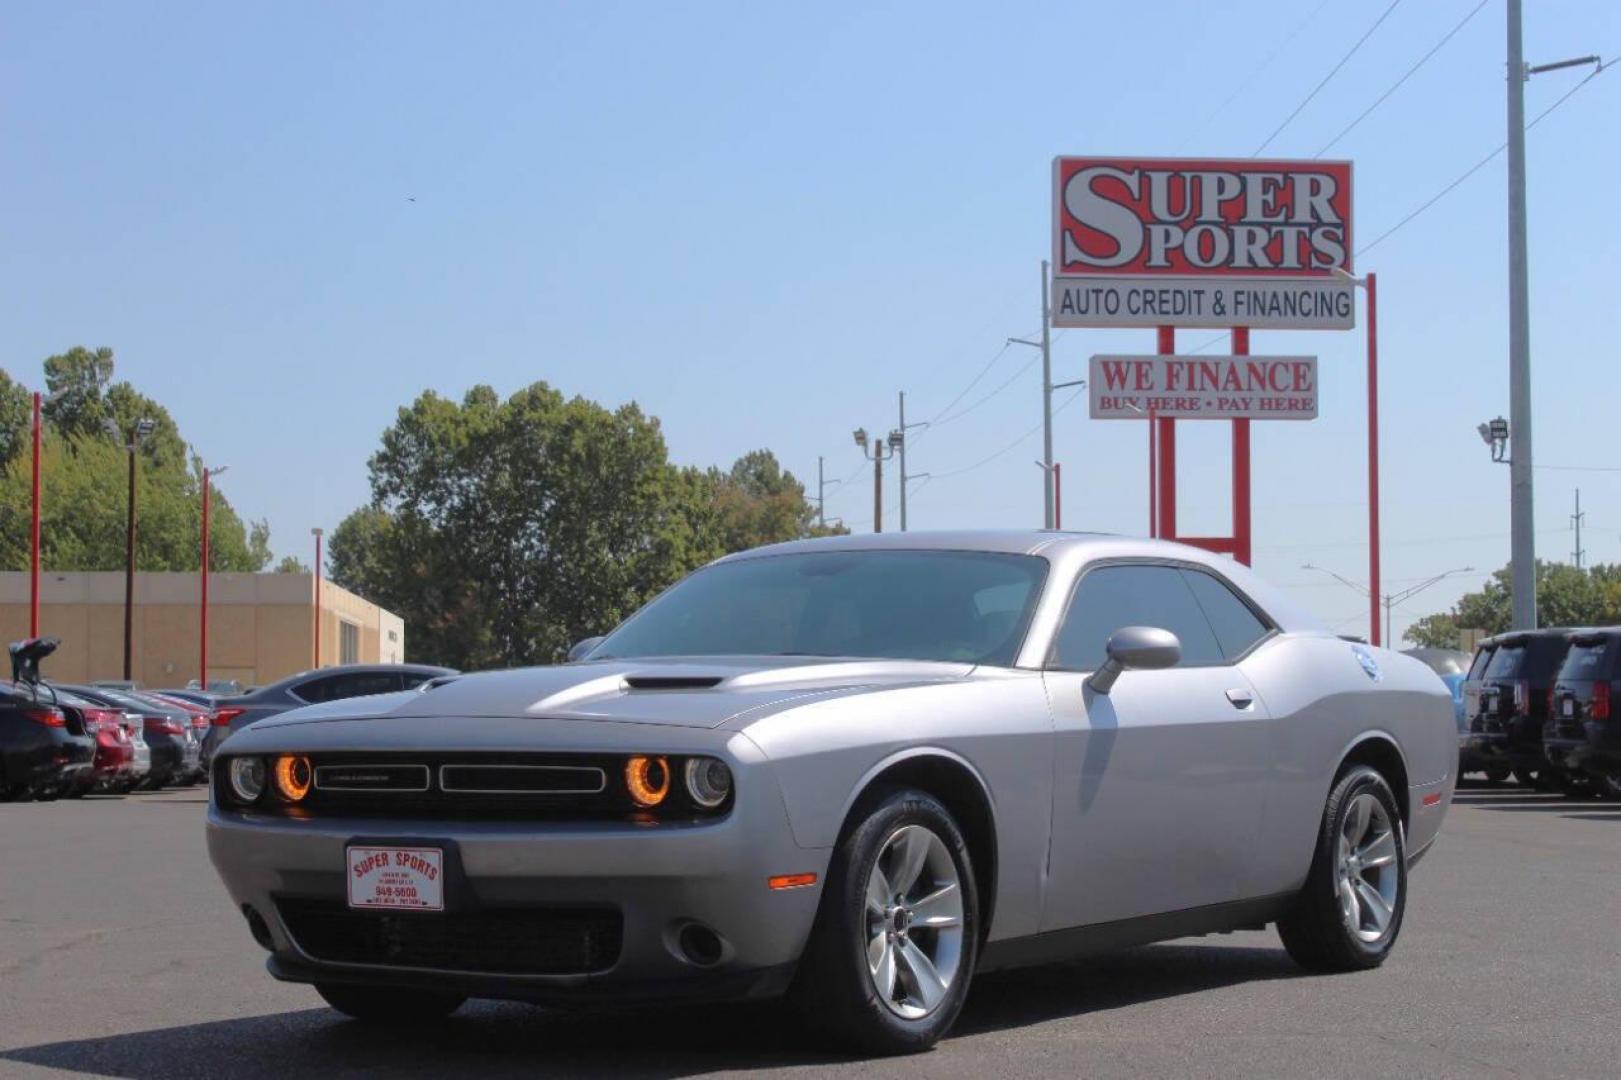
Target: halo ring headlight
247, 776
648, 780
709, 781
293, 775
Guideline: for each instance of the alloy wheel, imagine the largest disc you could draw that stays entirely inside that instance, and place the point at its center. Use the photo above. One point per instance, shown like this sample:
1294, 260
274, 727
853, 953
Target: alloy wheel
914, 922
1368, 875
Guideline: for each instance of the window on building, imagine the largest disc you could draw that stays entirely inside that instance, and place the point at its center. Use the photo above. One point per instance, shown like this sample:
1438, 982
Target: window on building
348, 643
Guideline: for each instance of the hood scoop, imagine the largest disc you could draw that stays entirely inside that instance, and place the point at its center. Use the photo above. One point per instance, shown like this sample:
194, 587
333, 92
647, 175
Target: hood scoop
672, 682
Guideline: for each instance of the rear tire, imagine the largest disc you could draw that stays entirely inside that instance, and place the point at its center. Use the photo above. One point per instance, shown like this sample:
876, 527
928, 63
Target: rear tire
896, 937
387, 1006
1609, 785
1349, 913
1497, 774
1572, 786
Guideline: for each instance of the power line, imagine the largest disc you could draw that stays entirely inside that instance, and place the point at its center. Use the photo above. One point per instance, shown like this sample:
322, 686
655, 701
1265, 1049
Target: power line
1011, 380
1380, 100
1254, 74
1483, 162
1335, 70
1014, 445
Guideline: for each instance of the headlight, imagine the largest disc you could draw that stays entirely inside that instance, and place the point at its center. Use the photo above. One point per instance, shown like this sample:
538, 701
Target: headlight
648, 779
247, 778
293, 775
709, 781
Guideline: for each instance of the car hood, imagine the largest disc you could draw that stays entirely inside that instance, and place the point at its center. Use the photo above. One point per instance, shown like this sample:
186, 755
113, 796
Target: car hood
691, 692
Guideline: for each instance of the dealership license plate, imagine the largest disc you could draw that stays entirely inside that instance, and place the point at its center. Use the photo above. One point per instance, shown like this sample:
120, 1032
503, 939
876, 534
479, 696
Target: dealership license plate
397, 878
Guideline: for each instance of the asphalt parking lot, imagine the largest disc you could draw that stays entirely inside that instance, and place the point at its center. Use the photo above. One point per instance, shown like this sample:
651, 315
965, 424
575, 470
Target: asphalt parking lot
120, 956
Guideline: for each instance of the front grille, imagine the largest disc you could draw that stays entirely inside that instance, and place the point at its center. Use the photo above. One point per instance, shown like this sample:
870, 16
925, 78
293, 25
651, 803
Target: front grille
497, 941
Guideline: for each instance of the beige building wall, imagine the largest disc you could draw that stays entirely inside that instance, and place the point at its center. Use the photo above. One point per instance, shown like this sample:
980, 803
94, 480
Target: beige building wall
260, 626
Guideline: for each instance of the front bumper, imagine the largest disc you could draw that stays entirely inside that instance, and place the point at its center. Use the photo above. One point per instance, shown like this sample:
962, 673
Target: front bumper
658, 878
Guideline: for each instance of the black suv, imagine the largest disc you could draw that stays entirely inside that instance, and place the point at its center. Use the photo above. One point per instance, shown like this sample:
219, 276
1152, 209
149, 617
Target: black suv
1582, 735
1511, 705
1469, 759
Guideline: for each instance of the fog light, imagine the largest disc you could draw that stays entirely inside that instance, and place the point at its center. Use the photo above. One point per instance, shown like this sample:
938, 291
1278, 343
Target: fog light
247, 778
293, 776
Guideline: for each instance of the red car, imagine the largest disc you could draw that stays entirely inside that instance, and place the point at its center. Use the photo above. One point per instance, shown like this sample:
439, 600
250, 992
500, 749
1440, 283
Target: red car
117, 766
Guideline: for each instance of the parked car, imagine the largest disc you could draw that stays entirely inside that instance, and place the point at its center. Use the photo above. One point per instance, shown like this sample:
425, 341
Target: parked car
857, 770
121, 762
201, 718
232, 714
1468, 696
43, 753
1583, 732
1505, 731
175, 751
205, 698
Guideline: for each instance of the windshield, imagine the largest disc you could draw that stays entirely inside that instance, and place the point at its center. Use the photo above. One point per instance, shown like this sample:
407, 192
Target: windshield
970, 607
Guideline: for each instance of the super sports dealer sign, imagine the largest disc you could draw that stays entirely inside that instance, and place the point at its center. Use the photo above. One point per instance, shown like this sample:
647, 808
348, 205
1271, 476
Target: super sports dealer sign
1196, 242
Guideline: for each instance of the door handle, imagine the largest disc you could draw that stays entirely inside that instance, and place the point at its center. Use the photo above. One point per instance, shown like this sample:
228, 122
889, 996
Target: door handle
1241, 699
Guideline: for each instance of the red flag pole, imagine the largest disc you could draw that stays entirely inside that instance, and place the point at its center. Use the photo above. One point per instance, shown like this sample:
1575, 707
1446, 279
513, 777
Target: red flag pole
33, 564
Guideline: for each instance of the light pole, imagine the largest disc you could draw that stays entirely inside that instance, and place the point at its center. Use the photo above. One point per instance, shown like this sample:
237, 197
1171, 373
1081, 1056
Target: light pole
317, 533
202, 634
143, 428
877, 454
1522, 543
1389, 600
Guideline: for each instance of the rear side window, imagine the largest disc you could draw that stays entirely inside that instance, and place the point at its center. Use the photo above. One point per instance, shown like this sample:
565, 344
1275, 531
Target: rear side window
353, 684
1477, 666
1586, 662
1236, 626
1112, 597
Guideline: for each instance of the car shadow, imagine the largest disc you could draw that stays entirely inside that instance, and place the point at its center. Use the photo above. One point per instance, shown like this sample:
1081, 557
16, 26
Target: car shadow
499, 1039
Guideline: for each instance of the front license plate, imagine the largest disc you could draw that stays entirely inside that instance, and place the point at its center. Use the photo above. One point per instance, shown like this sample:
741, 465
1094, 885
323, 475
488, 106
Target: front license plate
398, 878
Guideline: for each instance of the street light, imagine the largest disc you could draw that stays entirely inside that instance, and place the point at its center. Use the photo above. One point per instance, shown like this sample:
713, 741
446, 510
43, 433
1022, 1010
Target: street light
1389, 600
143, 428
876, 452
202, 634
1494, 434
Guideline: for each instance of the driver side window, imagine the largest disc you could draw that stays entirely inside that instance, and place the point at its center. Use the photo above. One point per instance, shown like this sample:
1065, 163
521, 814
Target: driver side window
1111, 597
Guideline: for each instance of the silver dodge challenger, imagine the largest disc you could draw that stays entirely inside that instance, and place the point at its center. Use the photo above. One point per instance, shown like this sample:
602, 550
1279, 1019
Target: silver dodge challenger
852, 771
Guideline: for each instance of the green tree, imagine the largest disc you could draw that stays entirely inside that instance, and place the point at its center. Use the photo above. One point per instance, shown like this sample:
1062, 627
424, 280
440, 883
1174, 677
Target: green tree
292, 564
1566, 596
504, 531
84, 471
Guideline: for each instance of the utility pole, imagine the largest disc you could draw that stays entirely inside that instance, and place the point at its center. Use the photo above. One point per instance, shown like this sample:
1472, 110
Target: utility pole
1047, 388
821, 490
1576, 524
899, 437
143, 428
877, 454
1522, 544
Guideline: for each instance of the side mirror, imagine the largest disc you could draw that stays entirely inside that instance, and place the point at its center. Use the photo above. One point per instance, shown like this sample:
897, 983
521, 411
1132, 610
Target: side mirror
581, 648
1146, 647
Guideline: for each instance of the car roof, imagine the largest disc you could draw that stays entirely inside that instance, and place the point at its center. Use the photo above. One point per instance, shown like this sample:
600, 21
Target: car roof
302, 677
1067, 551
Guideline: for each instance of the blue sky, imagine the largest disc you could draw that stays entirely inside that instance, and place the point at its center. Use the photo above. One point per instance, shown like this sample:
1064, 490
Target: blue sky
761, 221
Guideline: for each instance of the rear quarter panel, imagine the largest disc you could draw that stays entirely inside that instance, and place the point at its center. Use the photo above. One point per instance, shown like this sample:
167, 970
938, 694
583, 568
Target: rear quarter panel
1324, 705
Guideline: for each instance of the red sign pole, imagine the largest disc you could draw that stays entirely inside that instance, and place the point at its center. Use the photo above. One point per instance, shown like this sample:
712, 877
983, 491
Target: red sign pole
1153, 473
1373, 458
202, 630
1241, 465
33, 565
1166, 427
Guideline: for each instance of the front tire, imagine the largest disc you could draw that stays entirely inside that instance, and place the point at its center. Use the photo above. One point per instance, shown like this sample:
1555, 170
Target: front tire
896, 938
388, 1006
1347, 916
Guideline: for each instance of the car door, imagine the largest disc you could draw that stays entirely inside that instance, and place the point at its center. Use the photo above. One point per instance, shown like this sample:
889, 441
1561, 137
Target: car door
1159, 784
